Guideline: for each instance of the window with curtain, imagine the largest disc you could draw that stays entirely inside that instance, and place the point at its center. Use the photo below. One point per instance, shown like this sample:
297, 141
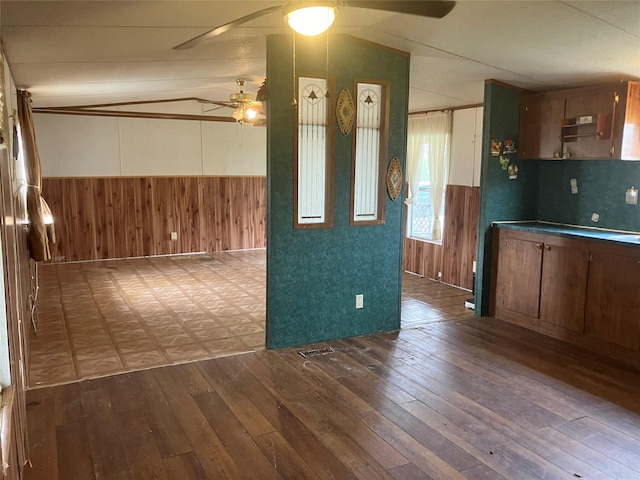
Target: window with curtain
428, 153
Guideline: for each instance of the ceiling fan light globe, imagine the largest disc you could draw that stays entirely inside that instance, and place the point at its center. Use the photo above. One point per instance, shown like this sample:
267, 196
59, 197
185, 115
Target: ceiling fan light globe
311, 21
238, 114
251, 113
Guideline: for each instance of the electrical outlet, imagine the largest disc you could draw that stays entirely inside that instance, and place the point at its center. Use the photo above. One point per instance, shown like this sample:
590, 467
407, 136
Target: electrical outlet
173, 236
439, 274
360, 300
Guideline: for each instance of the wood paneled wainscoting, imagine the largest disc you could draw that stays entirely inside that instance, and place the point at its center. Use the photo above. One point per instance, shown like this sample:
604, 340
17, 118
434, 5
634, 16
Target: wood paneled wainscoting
117, 217
454, 257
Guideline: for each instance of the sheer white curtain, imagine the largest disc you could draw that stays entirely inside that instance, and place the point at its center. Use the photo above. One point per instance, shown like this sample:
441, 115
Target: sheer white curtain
428, 140
416, 139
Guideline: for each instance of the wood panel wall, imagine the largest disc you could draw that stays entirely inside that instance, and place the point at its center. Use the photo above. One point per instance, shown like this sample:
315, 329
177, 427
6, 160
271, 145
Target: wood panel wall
119, 217
454, 257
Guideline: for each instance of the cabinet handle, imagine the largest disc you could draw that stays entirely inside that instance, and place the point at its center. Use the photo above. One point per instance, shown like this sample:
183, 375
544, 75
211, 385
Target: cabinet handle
539, 246
547, 247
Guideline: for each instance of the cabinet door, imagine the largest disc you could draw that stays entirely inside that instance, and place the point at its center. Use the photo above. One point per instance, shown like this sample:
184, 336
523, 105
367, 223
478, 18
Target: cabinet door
564, 284
590, 103
519, 267
540, 126
613, 298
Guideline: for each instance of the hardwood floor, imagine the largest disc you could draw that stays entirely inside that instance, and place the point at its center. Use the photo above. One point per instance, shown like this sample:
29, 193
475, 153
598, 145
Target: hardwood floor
468, 398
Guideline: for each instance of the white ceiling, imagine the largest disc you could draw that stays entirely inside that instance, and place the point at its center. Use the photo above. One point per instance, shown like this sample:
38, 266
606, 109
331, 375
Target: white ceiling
86, 52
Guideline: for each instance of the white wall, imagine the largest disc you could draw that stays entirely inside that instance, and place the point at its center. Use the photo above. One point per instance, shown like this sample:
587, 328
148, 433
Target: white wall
79, 146
466, 147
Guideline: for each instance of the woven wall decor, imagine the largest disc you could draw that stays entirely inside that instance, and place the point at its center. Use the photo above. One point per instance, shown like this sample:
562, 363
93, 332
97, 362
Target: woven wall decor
394, 178
345, 111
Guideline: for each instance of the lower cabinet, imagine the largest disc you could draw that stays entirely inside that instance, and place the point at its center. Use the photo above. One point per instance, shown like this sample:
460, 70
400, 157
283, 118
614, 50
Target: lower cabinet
542, 278
574, 289
564, 283
613, 297
520, 266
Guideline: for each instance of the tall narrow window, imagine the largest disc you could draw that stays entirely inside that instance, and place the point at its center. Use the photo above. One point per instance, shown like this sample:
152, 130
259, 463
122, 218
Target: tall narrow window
313, 165
370, 150
428, 152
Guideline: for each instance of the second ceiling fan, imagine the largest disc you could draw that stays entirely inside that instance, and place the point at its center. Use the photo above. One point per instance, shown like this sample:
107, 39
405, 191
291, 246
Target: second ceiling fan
312, 17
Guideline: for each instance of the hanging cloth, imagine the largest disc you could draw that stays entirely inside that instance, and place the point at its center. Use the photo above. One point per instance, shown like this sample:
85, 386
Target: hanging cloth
37, 237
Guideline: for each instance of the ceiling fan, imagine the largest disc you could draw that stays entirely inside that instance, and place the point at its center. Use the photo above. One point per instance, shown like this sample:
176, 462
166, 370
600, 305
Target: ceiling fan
312, 17
246, 109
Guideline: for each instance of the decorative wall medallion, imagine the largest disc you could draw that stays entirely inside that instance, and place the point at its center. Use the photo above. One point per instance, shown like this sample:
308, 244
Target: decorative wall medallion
345, 111
394, 178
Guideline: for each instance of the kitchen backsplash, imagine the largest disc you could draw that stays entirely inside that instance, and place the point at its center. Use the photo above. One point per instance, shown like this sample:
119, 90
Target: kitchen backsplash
601, 189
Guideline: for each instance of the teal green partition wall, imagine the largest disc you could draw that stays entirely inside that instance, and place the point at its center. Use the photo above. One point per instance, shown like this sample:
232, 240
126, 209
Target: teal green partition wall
501, 198
313, 275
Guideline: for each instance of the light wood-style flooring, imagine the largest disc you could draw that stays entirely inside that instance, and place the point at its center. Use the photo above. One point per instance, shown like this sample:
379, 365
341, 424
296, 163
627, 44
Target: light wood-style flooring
471, 398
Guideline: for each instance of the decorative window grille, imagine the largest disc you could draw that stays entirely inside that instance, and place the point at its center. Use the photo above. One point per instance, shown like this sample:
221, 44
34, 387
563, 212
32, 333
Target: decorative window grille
312, 163
369, 142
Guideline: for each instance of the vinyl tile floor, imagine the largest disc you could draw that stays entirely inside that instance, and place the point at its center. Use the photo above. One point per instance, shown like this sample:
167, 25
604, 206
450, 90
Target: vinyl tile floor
101, 318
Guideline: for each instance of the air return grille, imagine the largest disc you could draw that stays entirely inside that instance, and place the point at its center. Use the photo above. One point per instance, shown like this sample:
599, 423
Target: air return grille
316, 352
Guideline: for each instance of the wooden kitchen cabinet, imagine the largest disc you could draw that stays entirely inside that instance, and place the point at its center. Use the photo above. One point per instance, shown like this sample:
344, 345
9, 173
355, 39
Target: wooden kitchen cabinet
593, 118
563, 284
613, 296
541, 279
581, 123
540, 118
579, 290
519, 293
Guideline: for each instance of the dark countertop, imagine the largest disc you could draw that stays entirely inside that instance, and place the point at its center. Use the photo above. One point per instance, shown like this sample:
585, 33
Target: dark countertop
625, 239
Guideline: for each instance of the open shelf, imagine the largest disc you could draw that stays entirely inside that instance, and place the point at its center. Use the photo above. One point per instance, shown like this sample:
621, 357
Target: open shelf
597, 126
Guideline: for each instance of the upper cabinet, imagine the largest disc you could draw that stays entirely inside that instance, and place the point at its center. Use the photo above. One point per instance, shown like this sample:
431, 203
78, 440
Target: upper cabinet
582, 123
541, 115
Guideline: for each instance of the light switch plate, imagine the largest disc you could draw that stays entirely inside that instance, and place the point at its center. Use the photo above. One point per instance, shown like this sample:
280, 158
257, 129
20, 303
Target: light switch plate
360, 300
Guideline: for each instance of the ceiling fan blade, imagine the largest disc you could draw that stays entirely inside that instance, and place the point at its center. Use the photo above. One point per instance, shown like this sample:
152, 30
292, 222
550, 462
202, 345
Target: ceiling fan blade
215, 107
220, 103
435, 9
227, 26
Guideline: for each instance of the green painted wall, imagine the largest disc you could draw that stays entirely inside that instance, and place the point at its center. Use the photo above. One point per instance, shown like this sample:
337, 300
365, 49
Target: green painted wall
500, 197
313, 275
602, 185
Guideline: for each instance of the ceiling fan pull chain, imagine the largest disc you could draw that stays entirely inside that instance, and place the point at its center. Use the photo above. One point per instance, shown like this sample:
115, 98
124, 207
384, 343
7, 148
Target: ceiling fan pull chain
295, 101
239, 134
328, 93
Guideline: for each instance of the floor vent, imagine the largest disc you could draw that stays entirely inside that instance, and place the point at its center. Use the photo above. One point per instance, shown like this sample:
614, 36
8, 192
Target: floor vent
316, 352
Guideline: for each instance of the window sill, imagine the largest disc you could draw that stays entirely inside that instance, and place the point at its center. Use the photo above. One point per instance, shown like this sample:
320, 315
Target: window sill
434, 242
